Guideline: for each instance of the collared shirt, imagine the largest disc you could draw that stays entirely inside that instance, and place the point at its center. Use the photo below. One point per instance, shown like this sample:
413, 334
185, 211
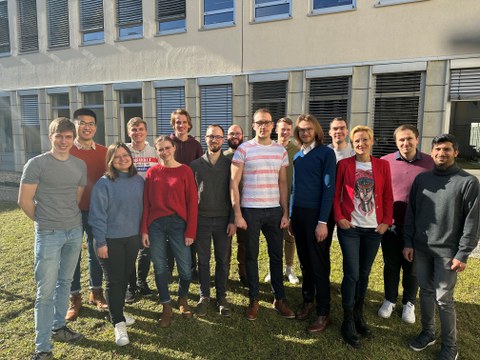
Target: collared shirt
309, 148
418, 156
79, 146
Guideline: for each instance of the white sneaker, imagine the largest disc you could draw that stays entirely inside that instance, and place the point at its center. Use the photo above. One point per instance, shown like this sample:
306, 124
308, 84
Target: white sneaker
386, 309
408, 313
292, 278
129, 321
267, 278
121, 336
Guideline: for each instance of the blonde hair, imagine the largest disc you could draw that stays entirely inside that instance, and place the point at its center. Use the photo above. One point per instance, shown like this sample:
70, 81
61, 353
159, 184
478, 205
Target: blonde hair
359, 128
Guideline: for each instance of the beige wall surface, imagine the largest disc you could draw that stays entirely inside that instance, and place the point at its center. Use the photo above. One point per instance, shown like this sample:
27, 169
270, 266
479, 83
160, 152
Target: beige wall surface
368, 34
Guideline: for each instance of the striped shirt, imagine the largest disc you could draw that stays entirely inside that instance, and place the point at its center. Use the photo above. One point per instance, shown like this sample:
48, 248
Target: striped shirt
262, 164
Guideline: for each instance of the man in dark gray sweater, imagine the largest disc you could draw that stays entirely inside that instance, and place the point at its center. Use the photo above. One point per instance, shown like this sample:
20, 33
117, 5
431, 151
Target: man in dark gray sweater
215, 219
441, 230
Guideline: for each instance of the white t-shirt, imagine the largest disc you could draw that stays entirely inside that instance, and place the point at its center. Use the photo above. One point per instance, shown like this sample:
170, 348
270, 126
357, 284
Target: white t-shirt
364, 214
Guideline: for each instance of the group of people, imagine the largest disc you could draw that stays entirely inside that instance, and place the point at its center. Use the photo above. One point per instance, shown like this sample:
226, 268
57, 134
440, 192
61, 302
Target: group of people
166, 204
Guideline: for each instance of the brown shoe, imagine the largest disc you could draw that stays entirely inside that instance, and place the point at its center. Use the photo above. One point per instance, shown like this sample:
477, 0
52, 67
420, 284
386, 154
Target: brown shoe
304, 311
184, 308
96, 298
75, 306
166, 316
320, 324
252, 310
283, 309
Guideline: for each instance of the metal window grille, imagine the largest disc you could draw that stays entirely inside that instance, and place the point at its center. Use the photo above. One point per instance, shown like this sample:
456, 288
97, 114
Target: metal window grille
57, 22
4, 28
168, 100
27, 25
465, 84
216, 107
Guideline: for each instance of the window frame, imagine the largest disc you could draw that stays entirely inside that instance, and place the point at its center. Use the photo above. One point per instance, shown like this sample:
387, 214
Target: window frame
381, 3
130, 24
171, 19
332, 9
6, 31
216, 12
271, 17
91, 31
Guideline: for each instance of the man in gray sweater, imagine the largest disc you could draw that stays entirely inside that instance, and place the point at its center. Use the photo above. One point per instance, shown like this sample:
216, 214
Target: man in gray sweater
215, 219
441, 230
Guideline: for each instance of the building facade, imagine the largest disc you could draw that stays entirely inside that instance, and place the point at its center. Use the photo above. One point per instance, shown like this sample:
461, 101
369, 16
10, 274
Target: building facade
376, 62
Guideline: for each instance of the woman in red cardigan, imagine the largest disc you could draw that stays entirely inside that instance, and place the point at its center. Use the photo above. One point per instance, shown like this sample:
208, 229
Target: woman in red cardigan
170, 210
363, 207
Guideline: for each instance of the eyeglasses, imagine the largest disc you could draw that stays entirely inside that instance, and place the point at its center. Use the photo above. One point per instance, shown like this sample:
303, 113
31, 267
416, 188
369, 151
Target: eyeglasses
214, 137
263, 123
304, 130
87, 124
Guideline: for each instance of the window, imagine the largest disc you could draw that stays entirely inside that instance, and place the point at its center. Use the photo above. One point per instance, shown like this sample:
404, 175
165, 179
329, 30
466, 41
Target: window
216, 107
6, 133
27, 25
91, 21
31, 125
394, 2
326, 6
57, 19
129, 19
168, 100
4, 29
465, 84
218, 13
60, 106
272, 9
328, 99
171, 15
94, 100
130, 106
397, 101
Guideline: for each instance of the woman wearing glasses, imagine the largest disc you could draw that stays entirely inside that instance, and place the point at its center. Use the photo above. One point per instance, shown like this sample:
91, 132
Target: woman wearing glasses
363, 207
115, 213
170, 209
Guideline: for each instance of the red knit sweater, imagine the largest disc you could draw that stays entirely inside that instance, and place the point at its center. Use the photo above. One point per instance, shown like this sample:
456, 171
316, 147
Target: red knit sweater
170, 191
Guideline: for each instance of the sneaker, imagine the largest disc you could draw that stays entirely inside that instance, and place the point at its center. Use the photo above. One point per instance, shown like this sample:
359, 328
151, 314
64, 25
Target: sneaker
130, 295
386, 309
447, 353
144, 289
267, 278
202, 306
64, 334
42, 356
121, 336
292, 278
408, 313
422, 341
129, 321
224, 307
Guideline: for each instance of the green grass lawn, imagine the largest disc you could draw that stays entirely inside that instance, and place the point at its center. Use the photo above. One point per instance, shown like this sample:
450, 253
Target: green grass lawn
214, 337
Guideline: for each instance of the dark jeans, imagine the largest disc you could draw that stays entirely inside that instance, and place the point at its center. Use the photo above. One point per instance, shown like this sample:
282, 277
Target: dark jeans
314, 259
392, 247
94, 269
144, 259
359, 248
268, 221
117, 267
213, 228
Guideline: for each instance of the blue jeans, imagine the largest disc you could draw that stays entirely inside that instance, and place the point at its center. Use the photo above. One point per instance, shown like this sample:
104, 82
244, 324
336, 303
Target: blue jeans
359, 248
165, 231
56, 255
267, 220
94, 269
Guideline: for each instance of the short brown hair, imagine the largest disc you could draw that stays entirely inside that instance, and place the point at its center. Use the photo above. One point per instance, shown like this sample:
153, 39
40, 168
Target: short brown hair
340, 118
286, 120
135, 121
181, 112
60, 125
316, 127
262, 111
404, 127
162, 138
110, 171
359, 128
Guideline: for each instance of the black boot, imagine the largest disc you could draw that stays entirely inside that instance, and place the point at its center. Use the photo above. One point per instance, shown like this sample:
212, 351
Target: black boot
349, 334
360, 324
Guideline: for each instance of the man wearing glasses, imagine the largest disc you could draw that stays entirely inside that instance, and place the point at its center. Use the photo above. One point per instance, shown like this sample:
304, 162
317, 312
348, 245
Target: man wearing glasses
262, 165
215, 220
93, 154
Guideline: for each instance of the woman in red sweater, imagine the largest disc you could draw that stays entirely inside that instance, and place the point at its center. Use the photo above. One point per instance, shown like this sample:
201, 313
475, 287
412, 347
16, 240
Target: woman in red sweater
170, 209
362, 207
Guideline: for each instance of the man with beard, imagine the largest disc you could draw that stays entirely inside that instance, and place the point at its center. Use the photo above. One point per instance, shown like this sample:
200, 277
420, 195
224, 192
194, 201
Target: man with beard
215, 219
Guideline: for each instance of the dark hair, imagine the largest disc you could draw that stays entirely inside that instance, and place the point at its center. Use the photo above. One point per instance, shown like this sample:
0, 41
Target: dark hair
162, 138
60, 125
84, 111
181, 112
110, 171
262, 111
443, 138
215, 126
404, 127
340, 118
316, 127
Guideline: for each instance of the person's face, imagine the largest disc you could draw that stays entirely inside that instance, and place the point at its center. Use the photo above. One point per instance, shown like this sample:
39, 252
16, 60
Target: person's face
234, 136
86, 127
306, 132
214, 139
165, 150
62, 142
138, 133
121, 160
181, 125
263, 125
284, 131
338, 131
362, 143
443, 155
406, 143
